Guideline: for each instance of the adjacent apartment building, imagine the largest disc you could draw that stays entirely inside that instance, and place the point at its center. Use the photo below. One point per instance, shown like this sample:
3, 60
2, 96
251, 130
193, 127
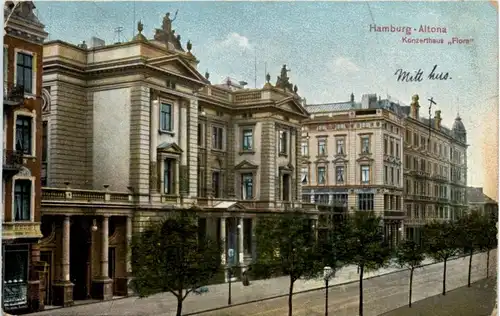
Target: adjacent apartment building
352, 158
435, 168
22, 143
135, 131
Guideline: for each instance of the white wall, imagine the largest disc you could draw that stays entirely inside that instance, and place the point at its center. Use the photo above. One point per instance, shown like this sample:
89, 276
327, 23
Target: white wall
111, 143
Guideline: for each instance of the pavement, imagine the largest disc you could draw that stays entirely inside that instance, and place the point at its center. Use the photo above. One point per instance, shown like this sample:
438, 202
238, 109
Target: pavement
389, 289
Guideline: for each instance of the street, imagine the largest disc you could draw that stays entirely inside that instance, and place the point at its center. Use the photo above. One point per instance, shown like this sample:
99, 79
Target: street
382, 294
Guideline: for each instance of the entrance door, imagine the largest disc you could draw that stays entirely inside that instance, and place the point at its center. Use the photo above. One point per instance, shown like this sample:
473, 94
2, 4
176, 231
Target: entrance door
46, 256
79, 259
111, 266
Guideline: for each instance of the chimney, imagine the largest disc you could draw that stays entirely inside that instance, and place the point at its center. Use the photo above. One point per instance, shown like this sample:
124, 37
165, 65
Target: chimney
414, 106
437, 119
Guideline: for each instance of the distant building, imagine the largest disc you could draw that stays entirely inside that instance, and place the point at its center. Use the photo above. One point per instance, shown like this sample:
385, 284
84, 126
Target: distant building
22, 172
478, 201
352, 157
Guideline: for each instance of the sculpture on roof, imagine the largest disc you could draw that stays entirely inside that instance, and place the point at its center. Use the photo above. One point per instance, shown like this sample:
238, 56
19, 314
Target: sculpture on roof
140, 26
283, 80
167, 22
166, 34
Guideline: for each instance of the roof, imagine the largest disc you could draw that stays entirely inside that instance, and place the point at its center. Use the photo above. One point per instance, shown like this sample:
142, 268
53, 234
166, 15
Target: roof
476, 195
331, 107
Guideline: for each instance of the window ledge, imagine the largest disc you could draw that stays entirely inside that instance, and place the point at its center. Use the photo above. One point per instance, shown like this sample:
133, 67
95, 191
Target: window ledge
247, 152
29, 156
218, 150
170, 133
282, 155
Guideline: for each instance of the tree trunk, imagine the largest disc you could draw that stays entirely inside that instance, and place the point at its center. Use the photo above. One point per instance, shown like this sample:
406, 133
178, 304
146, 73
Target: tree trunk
470, 267
179, 305
444, 277
290, 294
411, 286
361, 270
488, 264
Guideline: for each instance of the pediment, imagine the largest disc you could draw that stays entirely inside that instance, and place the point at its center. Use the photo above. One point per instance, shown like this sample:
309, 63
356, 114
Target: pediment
175, 64
245, 164
229, 206
291, 105
171, 148
340, 160
364, 159
288, 167
321, 160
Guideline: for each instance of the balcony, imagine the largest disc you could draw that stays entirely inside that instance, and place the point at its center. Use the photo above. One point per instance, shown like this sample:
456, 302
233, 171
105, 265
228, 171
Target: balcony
12, 163
13, 96
76, 196
394, 214
13, 230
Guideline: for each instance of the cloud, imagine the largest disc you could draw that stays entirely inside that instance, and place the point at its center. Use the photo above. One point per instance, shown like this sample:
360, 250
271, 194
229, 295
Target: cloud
234, 39
343, 65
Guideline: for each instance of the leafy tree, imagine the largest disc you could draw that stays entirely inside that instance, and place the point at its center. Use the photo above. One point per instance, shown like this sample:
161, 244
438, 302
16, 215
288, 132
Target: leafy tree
440, 242
364, 245
286, 245
487, 238
469, 230
168, 257
410, 254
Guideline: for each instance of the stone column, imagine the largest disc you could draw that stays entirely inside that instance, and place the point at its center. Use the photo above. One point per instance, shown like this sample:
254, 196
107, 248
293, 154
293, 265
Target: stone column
241, 244
63, 288
183, 143
192, 147
223, 239
102, 286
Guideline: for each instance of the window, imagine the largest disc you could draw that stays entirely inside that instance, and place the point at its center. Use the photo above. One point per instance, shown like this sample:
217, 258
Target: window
168, 176
45, 146
340, 146
392, 175
397, 149
217, 137
322, 147
305, 148
304, 175
321, 175
200, 134
24, 72
415, 139
392, 147
16, 269
339, 170
166, 117
283, 142
216, 184
408, 136
247, 139
365, 202
23, 134
22, 200
247, 186
365, 144
386, 174
385, 146
365, 174
397, 176
5, 65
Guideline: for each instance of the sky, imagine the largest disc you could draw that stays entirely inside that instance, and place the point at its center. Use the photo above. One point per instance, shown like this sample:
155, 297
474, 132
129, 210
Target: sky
329, 49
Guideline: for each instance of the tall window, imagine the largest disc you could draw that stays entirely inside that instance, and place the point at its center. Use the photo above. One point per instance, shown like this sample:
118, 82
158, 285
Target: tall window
385, 146
201, 140
339, 171
365, 202
16, 268
247, 139
217, 137
392, 147
24, 72
397, 176
397, 149
305, 148
392, 175
23, 134
322, 147
386, 174
22, 200
304, 176
340, 146
283, 142
166, 117
365, 174
45, 145
216, 184
365, 144
168, 176
321, 175
247, 186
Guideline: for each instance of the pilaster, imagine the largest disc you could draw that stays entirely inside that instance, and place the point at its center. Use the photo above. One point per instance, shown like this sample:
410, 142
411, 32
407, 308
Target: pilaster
192, 145
268, 162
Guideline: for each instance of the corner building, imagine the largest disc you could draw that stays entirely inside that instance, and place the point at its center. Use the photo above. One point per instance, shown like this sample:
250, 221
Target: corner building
22, 143
134, 131
352, 158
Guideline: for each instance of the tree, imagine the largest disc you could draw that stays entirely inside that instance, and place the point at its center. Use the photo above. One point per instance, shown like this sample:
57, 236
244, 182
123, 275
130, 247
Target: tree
410, 254
469, 230
286, 244
487, 238
440, 243
364, 245
169, 257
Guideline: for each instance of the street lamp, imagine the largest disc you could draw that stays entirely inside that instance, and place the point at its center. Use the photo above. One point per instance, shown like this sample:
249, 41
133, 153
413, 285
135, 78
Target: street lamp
229, 276
328, 272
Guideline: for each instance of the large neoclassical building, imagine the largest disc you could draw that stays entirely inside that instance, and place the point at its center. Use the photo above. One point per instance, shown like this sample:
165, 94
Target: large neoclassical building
134, 131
